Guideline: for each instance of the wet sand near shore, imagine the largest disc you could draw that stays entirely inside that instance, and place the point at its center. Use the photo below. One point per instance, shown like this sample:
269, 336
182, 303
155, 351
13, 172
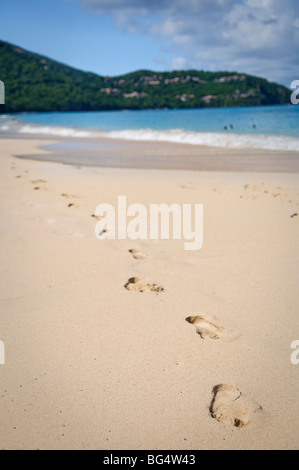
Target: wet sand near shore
116, 153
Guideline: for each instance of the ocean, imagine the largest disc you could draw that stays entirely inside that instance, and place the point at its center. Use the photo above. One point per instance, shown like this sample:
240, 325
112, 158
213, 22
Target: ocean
262, 127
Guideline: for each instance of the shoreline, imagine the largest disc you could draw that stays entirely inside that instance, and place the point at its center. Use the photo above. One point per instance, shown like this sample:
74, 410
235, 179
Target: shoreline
120, 153
93, 365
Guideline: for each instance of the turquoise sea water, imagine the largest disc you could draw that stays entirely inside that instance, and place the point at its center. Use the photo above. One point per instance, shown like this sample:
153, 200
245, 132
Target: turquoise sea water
257, 127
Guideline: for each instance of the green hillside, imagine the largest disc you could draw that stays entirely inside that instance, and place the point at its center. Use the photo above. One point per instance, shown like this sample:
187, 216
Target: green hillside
37, 83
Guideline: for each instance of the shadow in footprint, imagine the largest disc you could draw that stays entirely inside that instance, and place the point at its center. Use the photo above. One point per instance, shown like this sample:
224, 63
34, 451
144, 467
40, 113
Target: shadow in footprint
67, 195
230, 406
140, 285
205, 328
137, 254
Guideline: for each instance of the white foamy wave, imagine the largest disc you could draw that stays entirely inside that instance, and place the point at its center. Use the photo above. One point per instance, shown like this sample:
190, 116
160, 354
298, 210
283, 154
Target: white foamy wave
59, 131
211, 139
179, 136
15, 126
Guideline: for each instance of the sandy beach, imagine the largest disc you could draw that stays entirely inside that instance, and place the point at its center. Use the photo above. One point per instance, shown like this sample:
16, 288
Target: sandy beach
90, 364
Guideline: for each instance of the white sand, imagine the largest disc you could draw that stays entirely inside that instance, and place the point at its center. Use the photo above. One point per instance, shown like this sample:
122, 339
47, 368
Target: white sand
91, 365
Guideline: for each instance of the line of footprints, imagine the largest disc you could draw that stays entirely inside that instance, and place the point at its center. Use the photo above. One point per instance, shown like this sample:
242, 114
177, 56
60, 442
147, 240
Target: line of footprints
228, 405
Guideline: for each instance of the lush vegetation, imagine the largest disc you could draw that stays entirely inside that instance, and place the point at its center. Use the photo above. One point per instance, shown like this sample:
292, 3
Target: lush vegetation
37, 83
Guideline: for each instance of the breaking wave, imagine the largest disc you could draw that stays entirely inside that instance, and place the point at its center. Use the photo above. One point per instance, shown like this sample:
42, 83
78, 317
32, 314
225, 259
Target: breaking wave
179, 136
211, 139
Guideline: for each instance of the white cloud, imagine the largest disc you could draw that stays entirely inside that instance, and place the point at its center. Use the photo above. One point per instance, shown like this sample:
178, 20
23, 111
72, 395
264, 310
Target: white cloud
253, 36
159, 60
179, 63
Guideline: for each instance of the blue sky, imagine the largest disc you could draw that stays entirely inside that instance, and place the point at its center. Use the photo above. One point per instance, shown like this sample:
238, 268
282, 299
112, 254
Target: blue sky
111, 37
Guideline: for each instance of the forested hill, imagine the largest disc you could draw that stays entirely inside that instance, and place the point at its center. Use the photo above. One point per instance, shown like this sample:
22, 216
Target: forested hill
37, 83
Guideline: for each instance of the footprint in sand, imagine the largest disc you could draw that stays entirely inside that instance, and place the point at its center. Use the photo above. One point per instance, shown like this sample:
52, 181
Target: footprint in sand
68, 195
38, 181
230, 406
205, 328
219, 191
252, 197
187, 184
140, 285
137, 254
